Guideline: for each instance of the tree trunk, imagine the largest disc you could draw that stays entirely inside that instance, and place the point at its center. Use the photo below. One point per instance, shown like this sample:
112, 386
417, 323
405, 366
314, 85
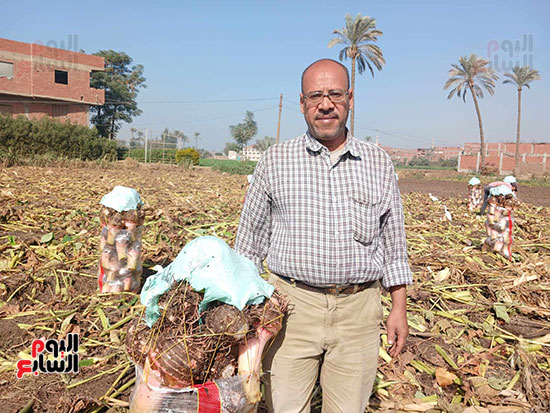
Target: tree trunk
352, 120
517, 133
481, 137
112, 133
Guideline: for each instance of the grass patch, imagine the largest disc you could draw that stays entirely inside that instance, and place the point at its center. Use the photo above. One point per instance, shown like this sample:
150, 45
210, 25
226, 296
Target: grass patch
229, 166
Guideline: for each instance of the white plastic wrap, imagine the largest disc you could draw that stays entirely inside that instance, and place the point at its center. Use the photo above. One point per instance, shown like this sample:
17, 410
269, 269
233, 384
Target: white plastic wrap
499, 226
223, 395
120, 266
475, 198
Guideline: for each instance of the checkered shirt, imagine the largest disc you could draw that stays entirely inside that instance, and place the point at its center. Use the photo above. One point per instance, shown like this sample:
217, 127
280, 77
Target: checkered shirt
322, 223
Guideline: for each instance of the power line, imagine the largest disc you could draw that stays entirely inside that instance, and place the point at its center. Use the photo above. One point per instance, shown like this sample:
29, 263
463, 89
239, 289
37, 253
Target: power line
203, 119
117, 102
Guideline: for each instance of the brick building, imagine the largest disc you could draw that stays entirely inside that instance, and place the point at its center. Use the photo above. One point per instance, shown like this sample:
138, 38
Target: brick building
445, 152
500, 156
37, 81
437, 153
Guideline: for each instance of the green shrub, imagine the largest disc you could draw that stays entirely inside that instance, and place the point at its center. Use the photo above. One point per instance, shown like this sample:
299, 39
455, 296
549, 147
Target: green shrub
153, 155
188, 153
419, 161
121, 152
23, 138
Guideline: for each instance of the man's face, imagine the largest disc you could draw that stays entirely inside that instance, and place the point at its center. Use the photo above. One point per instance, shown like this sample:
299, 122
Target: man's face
326, 120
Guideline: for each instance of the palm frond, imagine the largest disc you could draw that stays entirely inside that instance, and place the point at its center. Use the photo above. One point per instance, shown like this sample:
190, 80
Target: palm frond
343, 53
358, 34
337, 40
471, 70
522, 76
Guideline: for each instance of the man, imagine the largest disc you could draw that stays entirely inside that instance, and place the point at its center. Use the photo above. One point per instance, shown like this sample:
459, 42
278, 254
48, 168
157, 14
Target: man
508, 181
325, 210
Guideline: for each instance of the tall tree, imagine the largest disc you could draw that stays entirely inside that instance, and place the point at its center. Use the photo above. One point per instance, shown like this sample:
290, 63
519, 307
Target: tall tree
472, 74
137, 141
244, 131
197, 136
358, 35
169, 137
520, 77
231, 146
121, 82
181, 137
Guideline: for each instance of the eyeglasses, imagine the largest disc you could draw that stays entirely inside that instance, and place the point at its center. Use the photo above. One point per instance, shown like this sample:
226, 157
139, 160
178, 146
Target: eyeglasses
335, 95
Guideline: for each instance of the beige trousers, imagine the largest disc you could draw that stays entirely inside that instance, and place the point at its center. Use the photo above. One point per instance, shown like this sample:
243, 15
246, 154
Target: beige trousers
334, 336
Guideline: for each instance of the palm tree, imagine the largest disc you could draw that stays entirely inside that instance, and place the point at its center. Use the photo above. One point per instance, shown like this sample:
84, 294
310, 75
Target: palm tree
473, 74
266, 142
358, 36
197, 137
521, 76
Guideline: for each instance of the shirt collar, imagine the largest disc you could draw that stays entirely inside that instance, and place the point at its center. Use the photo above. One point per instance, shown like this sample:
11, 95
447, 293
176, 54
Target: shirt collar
351, 145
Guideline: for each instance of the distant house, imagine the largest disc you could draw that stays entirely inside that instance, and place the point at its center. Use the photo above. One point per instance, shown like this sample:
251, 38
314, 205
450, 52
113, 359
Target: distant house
251, 153
403, 156
233, 155
37, 81
445, 152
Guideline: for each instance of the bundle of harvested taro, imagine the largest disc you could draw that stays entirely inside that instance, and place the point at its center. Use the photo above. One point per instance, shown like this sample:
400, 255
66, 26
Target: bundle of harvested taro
186, 350
120, 266
500, 223
474, 194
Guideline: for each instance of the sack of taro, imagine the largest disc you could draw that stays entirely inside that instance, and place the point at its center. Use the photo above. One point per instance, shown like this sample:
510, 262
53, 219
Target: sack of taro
500, 221
475, 198
198, 347
121, 221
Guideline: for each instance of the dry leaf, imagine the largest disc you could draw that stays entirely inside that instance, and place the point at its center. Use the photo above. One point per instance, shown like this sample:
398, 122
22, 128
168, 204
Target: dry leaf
444, 377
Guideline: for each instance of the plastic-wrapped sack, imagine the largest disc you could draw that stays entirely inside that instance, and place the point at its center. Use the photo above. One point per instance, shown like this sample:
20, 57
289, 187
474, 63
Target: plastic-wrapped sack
500, 222
121, 220
222, 395
475, 197
218, 314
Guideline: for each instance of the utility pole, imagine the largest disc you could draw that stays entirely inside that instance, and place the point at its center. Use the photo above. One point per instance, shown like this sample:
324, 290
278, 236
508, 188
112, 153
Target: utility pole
197, 134
433, 143
279, 122
163, 145
377, 137
146, 132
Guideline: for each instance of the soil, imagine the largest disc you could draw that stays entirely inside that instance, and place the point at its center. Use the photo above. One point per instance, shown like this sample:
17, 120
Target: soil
184, 204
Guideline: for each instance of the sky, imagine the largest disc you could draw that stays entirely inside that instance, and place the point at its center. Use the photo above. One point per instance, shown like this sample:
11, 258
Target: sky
208, 62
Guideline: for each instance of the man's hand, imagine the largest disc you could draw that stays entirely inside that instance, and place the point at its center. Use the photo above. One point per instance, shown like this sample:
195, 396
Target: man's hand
397, 326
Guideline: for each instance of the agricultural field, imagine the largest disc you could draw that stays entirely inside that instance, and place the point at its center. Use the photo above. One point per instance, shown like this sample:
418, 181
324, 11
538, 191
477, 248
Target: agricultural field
480, 334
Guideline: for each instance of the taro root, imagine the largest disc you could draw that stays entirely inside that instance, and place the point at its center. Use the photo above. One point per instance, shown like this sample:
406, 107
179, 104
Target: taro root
120, 247
228, 320
186, 348
475, 198
269, 322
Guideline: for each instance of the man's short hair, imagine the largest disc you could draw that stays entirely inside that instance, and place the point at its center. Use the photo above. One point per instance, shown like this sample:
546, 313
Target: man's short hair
325, 60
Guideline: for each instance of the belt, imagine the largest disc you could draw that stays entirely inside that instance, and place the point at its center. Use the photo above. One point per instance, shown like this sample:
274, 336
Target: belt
333, 289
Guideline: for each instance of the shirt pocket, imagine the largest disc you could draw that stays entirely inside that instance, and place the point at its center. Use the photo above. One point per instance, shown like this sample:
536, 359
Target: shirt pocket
365, 221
